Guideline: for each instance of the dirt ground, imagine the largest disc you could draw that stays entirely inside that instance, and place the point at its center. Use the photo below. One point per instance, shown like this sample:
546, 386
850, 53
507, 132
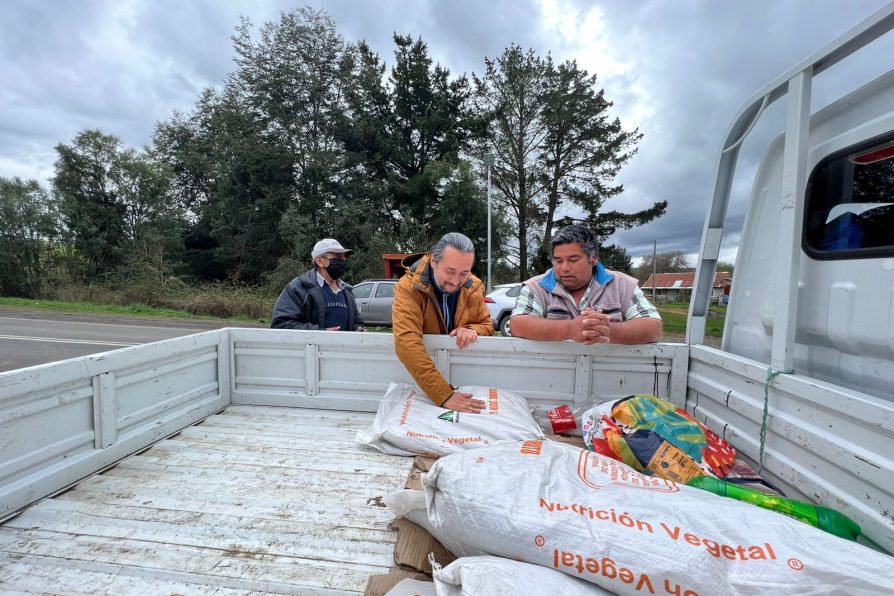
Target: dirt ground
713, 342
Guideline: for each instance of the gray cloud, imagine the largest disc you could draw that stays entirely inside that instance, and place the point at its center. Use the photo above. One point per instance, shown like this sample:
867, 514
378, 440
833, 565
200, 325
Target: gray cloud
677, 70
698, 62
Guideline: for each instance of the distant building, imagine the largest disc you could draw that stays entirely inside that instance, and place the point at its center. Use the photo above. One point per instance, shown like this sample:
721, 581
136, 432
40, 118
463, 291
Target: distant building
677, 287
393, 268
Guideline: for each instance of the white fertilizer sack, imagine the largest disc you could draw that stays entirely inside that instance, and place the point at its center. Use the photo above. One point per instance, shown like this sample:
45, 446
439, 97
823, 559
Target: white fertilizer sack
408, 422
493, 576
410, 504
412, 587
597, 519
477, 573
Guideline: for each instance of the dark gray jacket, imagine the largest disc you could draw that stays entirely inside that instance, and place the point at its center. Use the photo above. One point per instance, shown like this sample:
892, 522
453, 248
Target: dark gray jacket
301, 305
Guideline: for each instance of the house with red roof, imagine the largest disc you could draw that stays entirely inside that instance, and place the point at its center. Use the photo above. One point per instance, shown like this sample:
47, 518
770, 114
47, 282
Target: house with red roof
677, 287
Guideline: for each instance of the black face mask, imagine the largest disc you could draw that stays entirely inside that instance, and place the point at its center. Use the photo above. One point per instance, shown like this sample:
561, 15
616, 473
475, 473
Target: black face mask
336, 268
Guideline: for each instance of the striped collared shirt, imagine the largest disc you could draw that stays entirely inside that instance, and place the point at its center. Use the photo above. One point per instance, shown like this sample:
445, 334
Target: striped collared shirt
529, 303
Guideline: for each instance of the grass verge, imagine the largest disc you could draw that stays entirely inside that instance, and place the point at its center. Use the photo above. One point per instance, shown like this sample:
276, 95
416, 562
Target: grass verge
89, 307
674, 316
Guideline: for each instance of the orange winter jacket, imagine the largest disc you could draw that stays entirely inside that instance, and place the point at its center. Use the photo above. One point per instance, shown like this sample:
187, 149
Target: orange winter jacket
416, 312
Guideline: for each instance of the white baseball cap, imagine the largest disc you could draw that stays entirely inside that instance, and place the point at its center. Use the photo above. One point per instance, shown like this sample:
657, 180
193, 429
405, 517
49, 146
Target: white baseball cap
328, 245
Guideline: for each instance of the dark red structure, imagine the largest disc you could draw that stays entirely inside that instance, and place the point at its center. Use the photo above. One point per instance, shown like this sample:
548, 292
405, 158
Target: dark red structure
393, 268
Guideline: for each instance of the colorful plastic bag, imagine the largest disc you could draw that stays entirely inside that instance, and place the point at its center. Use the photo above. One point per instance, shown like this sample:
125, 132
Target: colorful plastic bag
654, 436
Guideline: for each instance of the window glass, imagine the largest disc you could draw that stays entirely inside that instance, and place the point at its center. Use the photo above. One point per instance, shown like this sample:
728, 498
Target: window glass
362, 290
385, 290
513, 292
849, 209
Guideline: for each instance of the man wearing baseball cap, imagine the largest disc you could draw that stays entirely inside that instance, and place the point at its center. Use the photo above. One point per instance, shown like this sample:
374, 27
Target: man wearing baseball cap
319, 299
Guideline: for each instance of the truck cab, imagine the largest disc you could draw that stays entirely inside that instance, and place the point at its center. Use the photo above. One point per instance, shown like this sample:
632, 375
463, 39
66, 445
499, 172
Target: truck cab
844, 326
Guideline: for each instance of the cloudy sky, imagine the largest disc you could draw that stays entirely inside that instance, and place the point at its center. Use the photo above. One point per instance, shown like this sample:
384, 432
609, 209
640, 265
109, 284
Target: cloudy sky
678, 70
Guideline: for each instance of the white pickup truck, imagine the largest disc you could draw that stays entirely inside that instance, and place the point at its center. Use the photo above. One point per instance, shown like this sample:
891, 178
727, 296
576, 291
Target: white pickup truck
225, 462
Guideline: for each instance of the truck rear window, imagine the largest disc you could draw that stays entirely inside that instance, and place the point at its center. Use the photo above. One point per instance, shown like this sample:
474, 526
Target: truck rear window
849, 209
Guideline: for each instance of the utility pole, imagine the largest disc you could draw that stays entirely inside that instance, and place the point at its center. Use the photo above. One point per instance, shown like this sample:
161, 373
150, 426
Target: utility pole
654, 268
489, 162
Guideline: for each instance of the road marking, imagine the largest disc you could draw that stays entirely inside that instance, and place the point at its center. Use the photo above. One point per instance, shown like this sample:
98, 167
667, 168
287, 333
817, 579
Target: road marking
98, 323
60, 340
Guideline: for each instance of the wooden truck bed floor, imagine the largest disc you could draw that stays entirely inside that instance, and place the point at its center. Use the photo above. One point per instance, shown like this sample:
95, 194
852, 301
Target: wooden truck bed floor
251, 500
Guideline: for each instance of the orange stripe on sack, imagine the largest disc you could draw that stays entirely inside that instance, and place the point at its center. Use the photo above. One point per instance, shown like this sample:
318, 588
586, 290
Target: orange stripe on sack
493, 401
531, 447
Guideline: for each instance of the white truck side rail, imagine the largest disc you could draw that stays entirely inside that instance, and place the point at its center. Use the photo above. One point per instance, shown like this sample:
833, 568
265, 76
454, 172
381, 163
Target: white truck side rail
62, 422
352, 371
824, 441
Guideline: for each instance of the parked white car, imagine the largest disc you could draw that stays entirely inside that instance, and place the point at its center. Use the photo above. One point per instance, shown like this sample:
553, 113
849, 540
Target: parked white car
500, 303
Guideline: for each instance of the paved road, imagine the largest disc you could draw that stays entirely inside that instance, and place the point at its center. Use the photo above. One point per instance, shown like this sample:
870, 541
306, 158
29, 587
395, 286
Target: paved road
29, 337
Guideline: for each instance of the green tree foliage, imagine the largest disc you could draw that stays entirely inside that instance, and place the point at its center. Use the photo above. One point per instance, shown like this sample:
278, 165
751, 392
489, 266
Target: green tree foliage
28, 224
557, 149
405, 133
289, 82
115, 203
257, 164
510, 95
86, 181
583, 152
724, 266
463, 207
254, 184
616, 258
311, 136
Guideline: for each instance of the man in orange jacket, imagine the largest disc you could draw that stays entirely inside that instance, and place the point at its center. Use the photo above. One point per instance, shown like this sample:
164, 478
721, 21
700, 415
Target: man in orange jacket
439, 294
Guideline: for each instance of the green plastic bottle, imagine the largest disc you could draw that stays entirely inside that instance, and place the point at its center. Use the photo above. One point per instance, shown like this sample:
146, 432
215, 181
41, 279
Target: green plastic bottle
820, 517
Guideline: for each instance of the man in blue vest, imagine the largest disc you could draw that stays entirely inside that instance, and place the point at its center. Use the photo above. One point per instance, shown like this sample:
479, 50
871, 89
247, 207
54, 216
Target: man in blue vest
319, 299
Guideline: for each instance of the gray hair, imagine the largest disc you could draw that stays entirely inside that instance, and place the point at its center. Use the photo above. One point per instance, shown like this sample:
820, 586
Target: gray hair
578, 234
458, 241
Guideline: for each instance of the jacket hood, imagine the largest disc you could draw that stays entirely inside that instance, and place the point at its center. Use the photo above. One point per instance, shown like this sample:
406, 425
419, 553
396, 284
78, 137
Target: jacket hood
409, 261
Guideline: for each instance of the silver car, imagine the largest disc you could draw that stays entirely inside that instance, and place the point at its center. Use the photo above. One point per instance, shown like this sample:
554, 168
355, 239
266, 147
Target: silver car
374, 300
500, 303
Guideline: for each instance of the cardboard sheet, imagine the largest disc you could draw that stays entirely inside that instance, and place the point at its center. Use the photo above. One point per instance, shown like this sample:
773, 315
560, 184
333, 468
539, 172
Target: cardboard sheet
568, 440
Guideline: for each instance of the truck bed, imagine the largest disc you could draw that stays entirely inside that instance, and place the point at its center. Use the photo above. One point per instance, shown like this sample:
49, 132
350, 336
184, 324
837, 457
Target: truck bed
255, 498
272, 494
269, 492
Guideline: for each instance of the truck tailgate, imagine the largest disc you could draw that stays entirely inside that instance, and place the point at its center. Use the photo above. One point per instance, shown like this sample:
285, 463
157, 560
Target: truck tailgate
255, 498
